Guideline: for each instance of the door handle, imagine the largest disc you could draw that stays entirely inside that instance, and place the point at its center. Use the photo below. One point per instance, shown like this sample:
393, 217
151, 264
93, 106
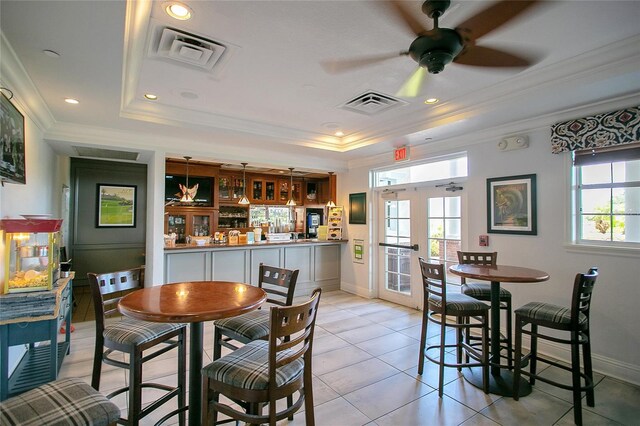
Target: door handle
413, 247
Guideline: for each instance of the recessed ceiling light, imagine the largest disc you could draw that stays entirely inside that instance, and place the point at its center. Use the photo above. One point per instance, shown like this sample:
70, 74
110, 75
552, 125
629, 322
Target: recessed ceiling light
431, 101
150, 96
71, 101
339, 133
51, 53
178, 10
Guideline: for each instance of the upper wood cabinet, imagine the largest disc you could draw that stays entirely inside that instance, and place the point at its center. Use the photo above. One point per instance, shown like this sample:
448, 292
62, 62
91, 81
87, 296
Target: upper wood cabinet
230, 187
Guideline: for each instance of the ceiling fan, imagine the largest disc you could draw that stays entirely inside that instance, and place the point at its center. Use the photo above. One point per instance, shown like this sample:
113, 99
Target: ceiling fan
435, 48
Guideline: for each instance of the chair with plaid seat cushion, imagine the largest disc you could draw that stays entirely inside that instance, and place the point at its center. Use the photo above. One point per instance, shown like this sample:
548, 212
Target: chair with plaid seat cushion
437, 305
573, 320
482, 291
263, 372
140, 340
280, 286
68, 401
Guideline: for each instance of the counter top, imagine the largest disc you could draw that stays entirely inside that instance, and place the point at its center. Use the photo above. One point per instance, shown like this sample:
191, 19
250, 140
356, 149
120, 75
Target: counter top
301, 241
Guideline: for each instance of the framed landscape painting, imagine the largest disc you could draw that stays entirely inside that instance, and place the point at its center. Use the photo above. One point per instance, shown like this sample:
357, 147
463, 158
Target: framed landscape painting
511, 205
116, 206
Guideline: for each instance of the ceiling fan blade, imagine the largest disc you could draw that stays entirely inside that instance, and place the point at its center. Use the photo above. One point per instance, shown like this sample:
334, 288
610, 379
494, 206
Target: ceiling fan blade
493, 17
341, 65
487, 57
399, 8
412, 87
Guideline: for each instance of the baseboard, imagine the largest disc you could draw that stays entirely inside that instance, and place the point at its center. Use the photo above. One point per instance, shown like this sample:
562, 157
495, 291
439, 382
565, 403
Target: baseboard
604, 365
358, 291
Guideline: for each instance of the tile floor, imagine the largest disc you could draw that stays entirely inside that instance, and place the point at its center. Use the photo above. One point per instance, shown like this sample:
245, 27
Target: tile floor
365, 373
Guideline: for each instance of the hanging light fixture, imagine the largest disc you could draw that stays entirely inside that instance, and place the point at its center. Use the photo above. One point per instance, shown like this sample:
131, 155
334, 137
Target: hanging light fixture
244, 200
186, 195
291, 201
330, 203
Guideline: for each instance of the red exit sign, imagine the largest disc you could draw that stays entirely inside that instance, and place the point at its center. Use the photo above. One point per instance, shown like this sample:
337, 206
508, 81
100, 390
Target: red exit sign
401, 154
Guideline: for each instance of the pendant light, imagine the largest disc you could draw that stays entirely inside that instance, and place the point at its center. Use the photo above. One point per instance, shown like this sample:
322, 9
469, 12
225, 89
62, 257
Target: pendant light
244, 200
186, 196
291, 201
330, 203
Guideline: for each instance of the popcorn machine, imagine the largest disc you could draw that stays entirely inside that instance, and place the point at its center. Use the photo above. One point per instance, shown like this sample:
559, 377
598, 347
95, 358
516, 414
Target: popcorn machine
30, 254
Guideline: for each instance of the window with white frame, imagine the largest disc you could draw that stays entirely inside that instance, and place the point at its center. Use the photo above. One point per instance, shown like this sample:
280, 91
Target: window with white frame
450, 167
607, 196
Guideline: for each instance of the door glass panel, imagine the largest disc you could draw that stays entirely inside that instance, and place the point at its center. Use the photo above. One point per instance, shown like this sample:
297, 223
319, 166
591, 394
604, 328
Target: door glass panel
444, 224
397, 260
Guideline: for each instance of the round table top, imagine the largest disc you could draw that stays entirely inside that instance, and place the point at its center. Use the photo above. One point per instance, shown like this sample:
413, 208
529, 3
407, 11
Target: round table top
192, 301
499, 273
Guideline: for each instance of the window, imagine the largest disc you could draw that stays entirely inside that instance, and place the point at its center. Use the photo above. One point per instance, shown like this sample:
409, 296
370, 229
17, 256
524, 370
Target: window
453, 167
608, 196
272, 214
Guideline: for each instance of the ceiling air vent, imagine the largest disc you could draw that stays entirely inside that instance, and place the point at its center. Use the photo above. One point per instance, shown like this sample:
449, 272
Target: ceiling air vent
109, 154
186, 48
371, 103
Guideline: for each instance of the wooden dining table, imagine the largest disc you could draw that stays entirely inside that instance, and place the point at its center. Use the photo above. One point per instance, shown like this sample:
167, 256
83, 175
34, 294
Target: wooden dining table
192, 302
500, 379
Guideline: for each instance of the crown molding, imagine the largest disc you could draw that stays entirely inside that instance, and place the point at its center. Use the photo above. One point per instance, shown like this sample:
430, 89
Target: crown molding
495, 133
14, 76
612, 60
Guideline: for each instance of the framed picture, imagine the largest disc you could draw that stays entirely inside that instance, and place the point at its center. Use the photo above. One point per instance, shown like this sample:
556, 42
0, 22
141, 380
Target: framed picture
511, 205
116, 206
12, 159
358, 208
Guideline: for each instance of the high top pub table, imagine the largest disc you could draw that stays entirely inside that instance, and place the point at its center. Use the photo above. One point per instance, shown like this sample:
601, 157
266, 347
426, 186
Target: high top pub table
192, 302
500, 380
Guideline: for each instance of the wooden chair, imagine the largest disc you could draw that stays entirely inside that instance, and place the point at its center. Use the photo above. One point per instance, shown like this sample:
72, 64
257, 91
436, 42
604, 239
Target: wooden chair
133, 337
68, 401
280, 286
437, 305
482, 291
263, 372
573, 320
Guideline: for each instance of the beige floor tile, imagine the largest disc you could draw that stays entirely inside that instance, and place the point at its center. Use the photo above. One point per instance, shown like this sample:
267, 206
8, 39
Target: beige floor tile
358, 375
345, 324
336, 412
479, 420
322, 392
332, 317
538, 408
386, 314
387, 343
588, 419
561, 376
362, 334
403, 358
327, 343
387, 395
428, 409
403, 322
334, 360
469, 395
616, 400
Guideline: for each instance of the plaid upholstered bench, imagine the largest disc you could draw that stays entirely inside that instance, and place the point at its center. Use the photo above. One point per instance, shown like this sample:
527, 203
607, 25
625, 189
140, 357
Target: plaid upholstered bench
62, 402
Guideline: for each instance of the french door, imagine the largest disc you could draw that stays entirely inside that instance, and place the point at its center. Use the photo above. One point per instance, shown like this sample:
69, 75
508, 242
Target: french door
415, 223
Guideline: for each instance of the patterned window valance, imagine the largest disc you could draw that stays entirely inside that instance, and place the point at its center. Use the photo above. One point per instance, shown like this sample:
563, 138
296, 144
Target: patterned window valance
612, 128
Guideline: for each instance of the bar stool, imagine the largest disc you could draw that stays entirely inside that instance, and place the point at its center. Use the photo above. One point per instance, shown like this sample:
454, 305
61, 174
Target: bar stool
133, 337
573, 320
482, 291
68, 401
437, 305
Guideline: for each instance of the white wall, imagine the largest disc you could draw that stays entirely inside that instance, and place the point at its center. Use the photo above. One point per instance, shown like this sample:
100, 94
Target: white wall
45, 174
615, 336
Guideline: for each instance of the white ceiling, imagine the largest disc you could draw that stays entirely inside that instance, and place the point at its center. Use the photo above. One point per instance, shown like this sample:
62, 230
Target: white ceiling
269, 101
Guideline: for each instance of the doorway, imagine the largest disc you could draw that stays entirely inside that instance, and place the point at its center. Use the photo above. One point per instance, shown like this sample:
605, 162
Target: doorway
412, 223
